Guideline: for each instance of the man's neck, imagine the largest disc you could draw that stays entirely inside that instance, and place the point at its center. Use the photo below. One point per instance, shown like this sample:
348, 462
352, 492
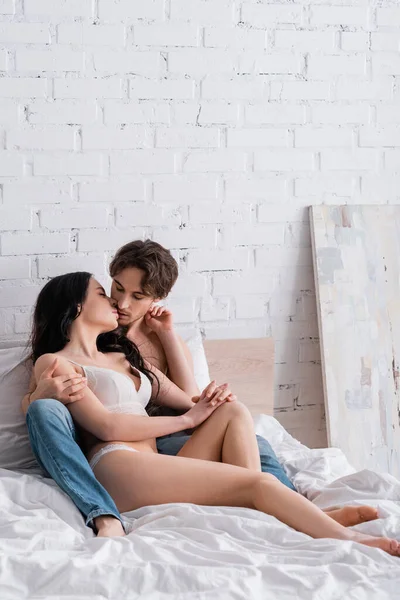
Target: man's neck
138, 330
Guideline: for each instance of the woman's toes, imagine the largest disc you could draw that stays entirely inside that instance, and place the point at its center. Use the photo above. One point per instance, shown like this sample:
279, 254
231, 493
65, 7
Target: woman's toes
395, 546
388, 545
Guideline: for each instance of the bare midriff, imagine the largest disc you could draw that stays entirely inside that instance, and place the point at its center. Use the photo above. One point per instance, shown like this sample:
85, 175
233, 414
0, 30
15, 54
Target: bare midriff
93, 445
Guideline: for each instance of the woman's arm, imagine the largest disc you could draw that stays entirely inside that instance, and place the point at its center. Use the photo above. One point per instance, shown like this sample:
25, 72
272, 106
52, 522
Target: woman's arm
179, 359
90, 414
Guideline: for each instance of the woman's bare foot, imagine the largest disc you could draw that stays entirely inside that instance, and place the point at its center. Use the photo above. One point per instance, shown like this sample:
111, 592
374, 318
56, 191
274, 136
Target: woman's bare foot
388, 545
108, 526
348, 516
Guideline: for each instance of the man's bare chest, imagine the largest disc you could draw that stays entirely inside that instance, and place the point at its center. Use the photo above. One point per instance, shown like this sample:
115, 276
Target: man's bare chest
152, 350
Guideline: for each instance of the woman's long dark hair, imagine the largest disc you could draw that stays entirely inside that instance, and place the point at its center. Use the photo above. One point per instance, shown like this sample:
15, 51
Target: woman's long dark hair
57, 307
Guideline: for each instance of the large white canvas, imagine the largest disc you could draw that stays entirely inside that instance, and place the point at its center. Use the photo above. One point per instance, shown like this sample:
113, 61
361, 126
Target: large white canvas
357, 272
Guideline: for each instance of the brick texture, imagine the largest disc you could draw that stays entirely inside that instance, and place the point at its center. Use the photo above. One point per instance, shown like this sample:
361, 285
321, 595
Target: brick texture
210, 126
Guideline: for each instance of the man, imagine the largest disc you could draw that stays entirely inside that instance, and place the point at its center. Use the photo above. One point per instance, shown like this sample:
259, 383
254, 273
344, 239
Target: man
143, 273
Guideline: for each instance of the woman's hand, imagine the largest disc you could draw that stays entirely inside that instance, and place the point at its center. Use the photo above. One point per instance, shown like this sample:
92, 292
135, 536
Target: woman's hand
211, 398
64, 388
159, 319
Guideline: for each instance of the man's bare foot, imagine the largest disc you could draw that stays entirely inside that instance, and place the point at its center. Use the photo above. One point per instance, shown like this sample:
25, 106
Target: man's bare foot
388, 545
353, 515
108, 526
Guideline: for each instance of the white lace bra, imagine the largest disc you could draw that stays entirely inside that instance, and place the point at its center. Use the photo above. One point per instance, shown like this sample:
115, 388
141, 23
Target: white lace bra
116, 391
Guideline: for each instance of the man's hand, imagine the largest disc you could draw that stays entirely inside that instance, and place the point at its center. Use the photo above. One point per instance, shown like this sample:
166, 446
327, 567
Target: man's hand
229, 397
159, 319
210, 399
64, 388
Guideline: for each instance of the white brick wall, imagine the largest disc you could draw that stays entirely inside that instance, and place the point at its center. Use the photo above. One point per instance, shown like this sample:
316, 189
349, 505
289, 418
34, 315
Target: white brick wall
210, 126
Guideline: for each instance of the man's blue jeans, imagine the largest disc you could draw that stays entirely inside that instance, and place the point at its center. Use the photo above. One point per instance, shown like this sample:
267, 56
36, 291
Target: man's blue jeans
53, 438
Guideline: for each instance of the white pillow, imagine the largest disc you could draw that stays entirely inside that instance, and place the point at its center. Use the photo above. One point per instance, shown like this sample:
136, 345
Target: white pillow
194, 342
15, 372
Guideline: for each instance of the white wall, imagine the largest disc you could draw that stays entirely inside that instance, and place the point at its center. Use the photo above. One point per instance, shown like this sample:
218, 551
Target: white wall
209, 126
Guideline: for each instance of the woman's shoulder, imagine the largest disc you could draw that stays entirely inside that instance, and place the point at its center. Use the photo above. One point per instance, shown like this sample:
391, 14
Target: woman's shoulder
60, 362
45, 359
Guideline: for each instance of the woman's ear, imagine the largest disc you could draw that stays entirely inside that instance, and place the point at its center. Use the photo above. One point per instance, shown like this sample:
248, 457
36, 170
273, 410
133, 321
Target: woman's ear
78, 310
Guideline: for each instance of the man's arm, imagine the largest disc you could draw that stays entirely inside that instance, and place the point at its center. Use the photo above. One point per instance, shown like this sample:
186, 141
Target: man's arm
179, 359
169, 394
27, 397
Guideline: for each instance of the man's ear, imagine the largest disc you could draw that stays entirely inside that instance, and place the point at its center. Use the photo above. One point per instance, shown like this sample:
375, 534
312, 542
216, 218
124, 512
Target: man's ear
154, 302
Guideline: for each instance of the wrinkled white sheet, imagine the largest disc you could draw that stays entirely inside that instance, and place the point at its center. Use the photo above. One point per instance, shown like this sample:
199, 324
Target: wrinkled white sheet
184, 551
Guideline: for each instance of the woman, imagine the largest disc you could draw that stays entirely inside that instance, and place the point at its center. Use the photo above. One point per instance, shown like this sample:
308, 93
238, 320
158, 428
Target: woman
74, 321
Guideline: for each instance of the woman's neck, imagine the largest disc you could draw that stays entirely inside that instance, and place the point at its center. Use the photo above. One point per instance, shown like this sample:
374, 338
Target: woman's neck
83, 342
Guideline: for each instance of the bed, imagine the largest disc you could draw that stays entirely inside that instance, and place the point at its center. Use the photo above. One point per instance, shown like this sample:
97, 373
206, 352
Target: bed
185, 551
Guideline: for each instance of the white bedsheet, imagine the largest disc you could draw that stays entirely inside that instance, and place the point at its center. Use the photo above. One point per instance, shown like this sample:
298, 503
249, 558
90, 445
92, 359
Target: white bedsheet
184, 551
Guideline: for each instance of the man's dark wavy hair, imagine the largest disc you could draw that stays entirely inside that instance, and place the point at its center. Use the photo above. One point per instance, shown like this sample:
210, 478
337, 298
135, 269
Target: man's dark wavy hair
160, 269
57, 307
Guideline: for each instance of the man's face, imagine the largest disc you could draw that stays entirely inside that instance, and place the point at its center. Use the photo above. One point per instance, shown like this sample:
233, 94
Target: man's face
126, 290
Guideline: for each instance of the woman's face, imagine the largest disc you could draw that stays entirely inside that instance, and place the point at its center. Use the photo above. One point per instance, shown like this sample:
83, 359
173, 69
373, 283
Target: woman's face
98, 308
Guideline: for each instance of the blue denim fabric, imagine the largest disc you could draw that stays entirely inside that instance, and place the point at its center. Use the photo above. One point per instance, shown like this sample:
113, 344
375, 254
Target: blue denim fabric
172, 443
271, 464
53, 438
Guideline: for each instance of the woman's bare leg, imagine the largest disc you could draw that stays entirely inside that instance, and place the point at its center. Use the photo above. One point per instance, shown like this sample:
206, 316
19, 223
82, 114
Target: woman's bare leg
228, 436
136, 479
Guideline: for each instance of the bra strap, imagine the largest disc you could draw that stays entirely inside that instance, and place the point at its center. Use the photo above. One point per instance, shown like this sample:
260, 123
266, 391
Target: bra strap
74, 363
78, 365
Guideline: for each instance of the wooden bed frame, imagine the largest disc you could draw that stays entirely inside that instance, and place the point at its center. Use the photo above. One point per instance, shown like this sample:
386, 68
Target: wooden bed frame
248, 366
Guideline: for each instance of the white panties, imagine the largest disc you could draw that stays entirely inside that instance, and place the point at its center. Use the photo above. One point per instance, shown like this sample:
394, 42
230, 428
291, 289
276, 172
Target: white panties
109, 448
